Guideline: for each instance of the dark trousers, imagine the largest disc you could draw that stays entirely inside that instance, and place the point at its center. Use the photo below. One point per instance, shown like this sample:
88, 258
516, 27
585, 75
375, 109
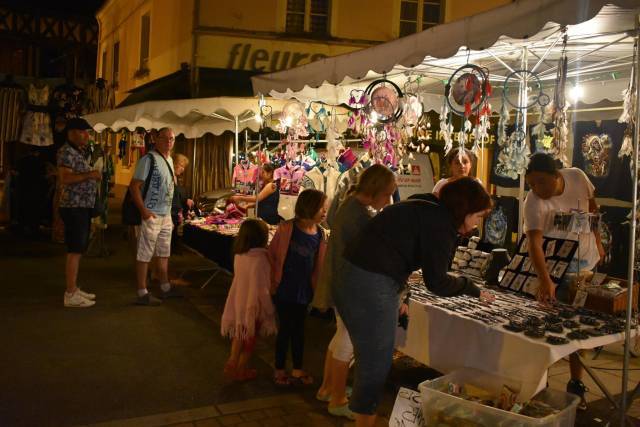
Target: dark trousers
291, 331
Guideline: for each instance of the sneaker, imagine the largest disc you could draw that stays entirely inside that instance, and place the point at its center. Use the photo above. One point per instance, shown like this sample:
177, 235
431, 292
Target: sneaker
86, 295
578, 388
77, 300
149, 300
172, 293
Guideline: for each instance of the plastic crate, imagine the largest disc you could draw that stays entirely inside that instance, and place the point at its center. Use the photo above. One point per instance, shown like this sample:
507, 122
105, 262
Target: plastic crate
440, 408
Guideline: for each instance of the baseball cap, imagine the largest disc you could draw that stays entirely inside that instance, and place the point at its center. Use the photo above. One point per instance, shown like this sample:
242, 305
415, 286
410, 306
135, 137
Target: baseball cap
78, 123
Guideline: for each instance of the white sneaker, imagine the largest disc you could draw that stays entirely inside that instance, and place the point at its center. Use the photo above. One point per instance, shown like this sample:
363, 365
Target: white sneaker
86, 295
77, 300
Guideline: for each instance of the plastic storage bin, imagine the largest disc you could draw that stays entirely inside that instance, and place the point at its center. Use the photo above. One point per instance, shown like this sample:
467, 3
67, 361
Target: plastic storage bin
442, 409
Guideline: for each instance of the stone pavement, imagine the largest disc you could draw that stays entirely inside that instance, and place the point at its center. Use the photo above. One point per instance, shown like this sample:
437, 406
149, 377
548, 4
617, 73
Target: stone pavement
284, 410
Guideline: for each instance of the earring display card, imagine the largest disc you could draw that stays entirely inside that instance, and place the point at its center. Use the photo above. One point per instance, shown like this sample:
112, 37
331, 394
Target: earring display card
515, 263
530, 286
526, 265
550, 249
559, 270
506, 279
517, 283
567, 248
523, 248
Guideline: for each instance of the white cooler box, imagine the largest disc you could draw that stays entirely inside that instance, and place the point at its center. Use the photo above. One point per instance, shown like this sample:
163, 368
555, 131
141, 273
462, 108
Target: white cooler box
441, 408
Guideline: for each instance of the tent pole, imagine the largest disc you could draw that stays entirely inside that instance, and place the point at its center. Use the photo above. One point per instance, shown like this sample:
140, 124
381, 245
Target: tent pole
632, 236
193, 168
522, 102
236, 151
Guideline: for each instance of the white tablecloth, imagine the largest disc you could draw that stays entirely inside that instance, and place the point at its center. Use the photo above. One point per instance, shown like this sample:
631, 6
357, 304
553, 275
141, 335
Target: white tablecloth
446, 341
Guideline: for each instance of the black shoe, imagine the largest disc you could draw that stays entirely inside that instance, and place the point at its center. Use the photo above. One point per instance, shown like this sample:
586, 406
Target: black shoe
148, 300
172, 293
578, 388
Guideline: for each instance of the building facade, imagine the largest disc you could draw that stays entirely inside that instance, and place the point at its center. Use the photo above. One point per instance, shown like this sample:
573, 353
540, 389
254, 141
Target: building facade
170, 49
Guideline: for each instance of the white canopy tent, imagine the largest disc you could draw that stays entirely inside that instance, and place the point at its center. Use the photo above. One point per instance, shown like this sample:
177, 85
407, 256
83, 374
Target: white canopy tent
599, 41
191, 117
524, 35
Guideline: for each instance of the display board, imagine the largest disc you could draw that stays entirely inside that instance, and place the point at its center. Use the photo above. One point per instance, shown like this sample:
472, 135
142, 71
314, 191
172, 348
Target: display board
520, 275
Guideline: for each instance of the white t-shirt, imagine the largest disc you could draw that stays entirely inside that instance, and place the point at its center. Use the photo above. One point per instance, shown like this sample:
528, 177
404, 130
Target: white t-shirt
539, 213
442, 182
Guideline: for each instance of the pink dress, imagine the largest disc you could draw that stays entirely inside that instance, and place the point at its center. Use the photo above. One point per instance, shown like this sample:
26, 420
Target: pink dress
249, 303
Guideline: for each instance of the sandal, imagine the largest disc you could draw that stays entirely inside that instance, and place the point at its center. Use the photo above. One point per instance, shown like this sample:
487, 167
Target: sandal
247, 374
302, 380
282, 380
327, 397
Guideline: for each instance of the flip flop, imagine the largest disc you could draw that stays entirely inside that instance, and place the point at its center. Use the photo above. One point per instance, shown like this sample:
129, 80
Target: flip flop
302, 380
283, 380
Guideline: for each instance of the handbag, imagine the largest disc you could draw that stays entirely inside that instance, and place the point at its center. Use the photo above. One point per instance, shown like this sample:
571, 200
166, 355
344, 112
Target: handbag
98, 206
130, 212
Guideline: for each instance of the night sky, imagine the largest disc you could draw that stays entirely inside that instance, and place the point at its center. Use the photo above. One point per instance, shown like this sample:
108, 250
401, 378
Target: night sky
70, 7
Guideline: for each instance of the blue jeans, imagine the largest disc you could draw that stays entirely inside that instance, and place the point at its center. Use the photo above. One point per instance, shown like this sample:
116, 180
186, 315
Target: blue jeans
368, 305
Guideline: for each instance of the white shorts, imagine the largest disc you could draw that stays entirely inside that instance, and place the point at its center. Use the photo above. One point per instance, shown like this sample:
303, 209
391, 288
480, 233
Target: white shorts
340, 345
154, 238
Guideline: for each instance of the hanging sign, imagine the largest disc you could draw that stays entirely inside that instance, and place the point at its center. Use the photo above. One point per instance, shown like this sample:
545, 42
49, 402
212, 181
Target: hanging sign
418, 179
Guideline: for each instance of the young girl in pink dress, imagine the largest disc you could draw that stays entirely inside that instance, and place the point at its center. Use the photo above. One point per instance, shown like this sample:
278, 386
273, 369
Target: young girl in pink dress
248, 311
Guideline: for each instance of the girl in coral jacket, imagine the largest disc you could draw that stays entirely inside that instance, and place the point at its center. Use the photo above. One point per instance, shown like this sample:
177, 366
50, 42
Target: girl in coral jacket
297, 254
248, 311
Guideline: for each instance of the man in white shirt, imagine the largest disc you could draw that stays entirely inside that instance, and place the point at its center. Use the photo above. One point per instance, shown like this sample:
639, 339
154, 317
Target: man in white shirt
553, 190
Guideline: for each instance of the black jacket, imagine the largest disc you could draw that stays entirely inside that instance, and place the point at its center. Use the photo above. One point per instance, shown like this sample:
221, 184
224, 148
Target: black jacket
407, 236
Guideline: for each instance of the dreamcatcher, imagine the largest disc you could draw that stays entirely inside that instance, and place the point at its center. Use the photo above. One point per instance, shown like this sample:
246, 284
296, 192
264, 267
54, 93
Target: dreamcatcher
559, 110
514, 152
629, 113
466, 94
293, 121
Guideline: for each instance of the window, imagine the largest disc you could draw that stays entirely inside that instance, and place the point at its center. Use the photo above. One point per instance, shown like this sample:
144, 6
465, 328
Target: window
418, 15
145, 28
308, 16
103, 73
116, 63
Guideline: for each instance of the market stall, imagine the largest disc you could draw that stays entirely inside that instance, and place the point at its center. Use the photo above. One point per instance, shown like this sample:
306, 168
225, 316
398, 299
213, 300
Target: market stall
527, 70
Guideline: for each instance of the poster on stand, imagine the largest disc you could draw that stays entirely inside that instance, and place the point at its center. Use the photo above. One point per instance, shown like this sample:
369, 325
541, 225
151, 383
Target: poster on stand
419, 179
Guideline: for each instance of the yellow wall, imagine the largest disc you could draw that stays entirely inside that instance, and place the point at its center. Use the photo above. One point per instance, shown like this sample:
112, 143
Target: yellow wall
170, 42
249, 15
458, 9
243, 34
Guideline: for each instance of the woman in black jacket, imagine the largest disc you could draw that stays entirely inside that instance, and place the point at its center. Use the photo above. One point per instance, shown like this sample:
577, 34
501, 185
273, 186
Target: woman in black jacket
401, 239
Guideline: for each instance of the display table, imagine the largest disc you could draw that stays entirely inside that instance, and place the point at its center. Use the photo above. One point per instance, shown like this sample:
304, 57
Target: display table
211, 244
447, 340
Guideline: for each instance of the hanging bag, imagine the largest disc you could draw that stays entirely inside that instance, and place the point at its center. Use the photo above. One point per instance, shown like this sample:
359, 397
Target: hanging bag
130, 212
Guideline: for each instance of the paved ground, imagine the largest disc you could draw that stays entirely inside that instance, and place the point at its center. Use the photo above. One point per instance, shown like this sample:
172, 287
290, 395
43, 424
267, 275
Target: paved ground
121, 365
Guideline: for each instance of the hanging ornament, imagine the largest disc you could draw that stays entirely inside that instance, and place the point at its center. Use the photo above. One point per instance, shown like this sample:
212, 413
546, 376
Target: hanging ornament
628, 115
559, 112
446, 127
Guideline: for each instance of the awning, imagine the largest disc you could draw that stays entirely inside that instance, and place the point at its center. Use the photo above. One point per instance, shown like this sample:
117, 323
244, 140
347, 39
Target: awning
598, 44
191, 117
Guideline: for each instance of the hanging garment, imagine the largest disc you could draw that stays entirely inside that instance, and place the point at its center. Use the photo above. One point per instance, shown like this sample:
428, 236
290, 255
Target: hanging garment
68, 100
615, 229
595, 151
11, 101
244, 178
36, 126
314, 179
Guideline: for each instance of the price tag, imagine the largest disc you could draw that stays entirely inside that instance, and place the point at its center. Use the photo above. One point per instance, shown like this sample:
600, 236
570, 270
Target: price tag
581, 298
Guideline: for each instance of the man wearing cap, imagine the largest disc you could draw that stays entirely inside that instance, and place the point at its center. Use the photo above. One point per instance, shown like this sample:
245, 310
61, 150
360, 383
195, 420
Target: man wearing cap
79, 188
154, 231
